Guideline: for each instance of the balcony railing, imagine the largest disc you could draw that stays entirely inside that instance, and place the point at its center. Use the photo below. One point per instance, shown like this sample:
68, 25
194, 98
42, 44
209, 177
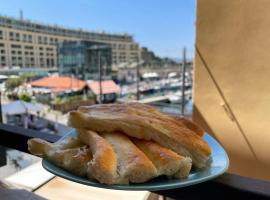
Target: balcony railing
226, 186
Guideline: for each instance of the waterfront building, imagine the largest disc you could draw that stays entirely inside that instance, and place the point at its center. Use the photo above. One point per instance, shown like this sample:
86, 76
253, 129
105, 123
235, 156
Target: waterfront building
26, 44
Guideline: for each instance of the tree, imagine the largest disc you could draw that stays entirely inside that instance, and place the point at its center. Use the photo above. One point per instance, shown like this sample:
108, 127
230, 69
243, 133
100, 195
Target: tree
13, 83
25, 98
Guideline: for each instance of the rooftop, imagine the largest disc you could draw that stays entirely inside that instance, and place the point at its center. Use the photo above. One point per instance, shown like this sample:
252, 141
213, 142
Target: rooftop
28, 25
107, 87
59, 84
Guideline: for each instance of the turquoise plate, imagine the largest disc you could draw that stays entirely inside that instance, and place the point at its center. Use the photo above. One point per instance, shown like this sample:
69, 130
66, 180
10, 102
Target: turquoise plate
219, 164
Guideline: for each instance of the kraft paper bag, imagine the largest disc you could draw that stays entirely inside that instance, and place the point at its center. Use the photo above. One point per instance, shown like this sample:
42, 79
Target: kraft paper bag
232, 80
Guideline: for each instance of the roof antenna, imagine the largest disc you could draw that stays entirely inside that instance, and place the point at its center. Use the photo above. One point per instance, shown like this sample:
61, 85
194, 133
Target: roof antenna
21, 14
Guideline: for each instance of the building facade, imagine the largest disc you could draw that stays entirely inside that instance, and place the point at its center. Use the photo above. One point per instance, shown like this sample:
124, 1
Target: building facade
85, 59
26, 44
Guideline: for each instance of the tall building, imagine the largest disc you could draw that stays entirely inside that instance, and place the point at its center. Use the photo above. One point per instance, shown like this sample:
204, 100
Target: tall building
28, 44
85, 59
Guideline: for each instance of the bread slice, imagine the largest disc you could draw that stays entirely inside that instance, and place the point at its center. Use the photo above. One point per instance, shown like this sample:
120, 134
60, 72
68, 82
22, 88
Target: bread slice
103, 166
73, 160
180, 121
138, 120
166, 161
39, 147
133, 165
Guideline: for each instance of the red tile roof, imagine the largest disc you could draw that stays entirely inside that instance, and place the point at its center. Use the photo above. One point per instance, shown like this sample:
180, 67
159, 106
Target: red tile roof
107, 87
59, 83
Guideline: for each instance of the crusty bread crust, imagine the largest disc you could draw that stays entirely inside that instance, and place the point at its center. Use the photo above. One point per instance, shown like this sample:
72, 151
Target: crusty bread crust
190, 125
165, 160
103, 166
73, 160
133, 165
142, 122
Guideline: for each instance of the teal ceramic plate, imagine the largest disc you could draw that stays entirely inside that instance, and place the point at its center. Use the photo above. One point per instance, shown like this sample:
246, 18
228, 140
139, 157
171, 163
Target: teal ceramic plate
219, 164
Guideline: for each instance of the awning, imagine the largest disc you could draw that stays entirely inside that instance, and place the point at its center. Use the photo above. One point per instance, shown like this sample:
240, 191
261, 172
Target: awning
107, 87
20, 107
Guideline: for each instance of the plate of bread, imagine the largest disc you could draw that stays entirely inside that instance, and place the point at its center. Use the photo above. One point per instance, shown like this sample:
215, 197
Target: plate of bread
132, 146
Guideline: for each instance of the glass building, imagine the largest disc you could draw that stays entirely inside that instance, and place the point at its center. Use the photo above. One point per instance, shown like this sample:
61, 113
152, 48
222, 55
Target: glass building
85, 59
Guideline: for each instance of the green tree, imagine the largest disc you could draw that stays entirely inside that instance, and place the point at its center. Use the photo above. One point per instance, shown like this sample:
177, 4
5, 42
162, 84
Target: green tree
26, 77
25, 97
12, 83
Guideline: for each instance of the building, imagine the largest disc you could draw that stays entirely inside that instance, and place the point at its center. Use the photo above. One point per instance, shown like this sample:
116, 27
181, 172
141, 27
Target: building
84, 59
57, 84
108, 89
28, 44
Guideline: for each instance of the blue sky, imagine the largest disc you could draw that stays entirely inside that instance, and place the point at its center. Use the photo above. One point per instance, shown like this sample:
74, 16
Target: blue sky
164, 26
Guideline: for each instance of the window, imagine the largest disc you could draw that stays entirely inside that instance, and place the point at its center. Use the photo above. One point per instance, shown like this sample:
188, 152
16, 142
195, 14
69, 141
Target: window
40, 40
17, 37
52, 62
51, 41
11, 34
24, 38
28, 47
48, 62
49, 49
45, 40
30, 38
16, 46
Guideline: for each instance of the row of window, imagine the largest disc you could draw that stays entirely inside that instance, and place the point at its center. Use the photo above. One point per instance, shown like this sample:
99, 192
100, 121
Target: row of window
27, 53
125, 46
26, 47
47, 54
47, 49
15, 36
46, 40
29, 61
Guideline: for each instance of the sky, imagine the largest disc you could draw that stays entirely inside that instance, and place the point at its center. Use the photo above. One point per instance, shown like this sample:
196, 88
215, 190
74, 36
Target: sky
164, 26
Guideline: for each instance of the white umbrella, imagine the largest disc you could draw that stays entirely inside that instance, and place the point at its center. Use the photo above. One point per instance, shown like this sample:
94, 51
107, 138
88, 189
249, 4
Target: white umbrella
3, 76
20, 107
